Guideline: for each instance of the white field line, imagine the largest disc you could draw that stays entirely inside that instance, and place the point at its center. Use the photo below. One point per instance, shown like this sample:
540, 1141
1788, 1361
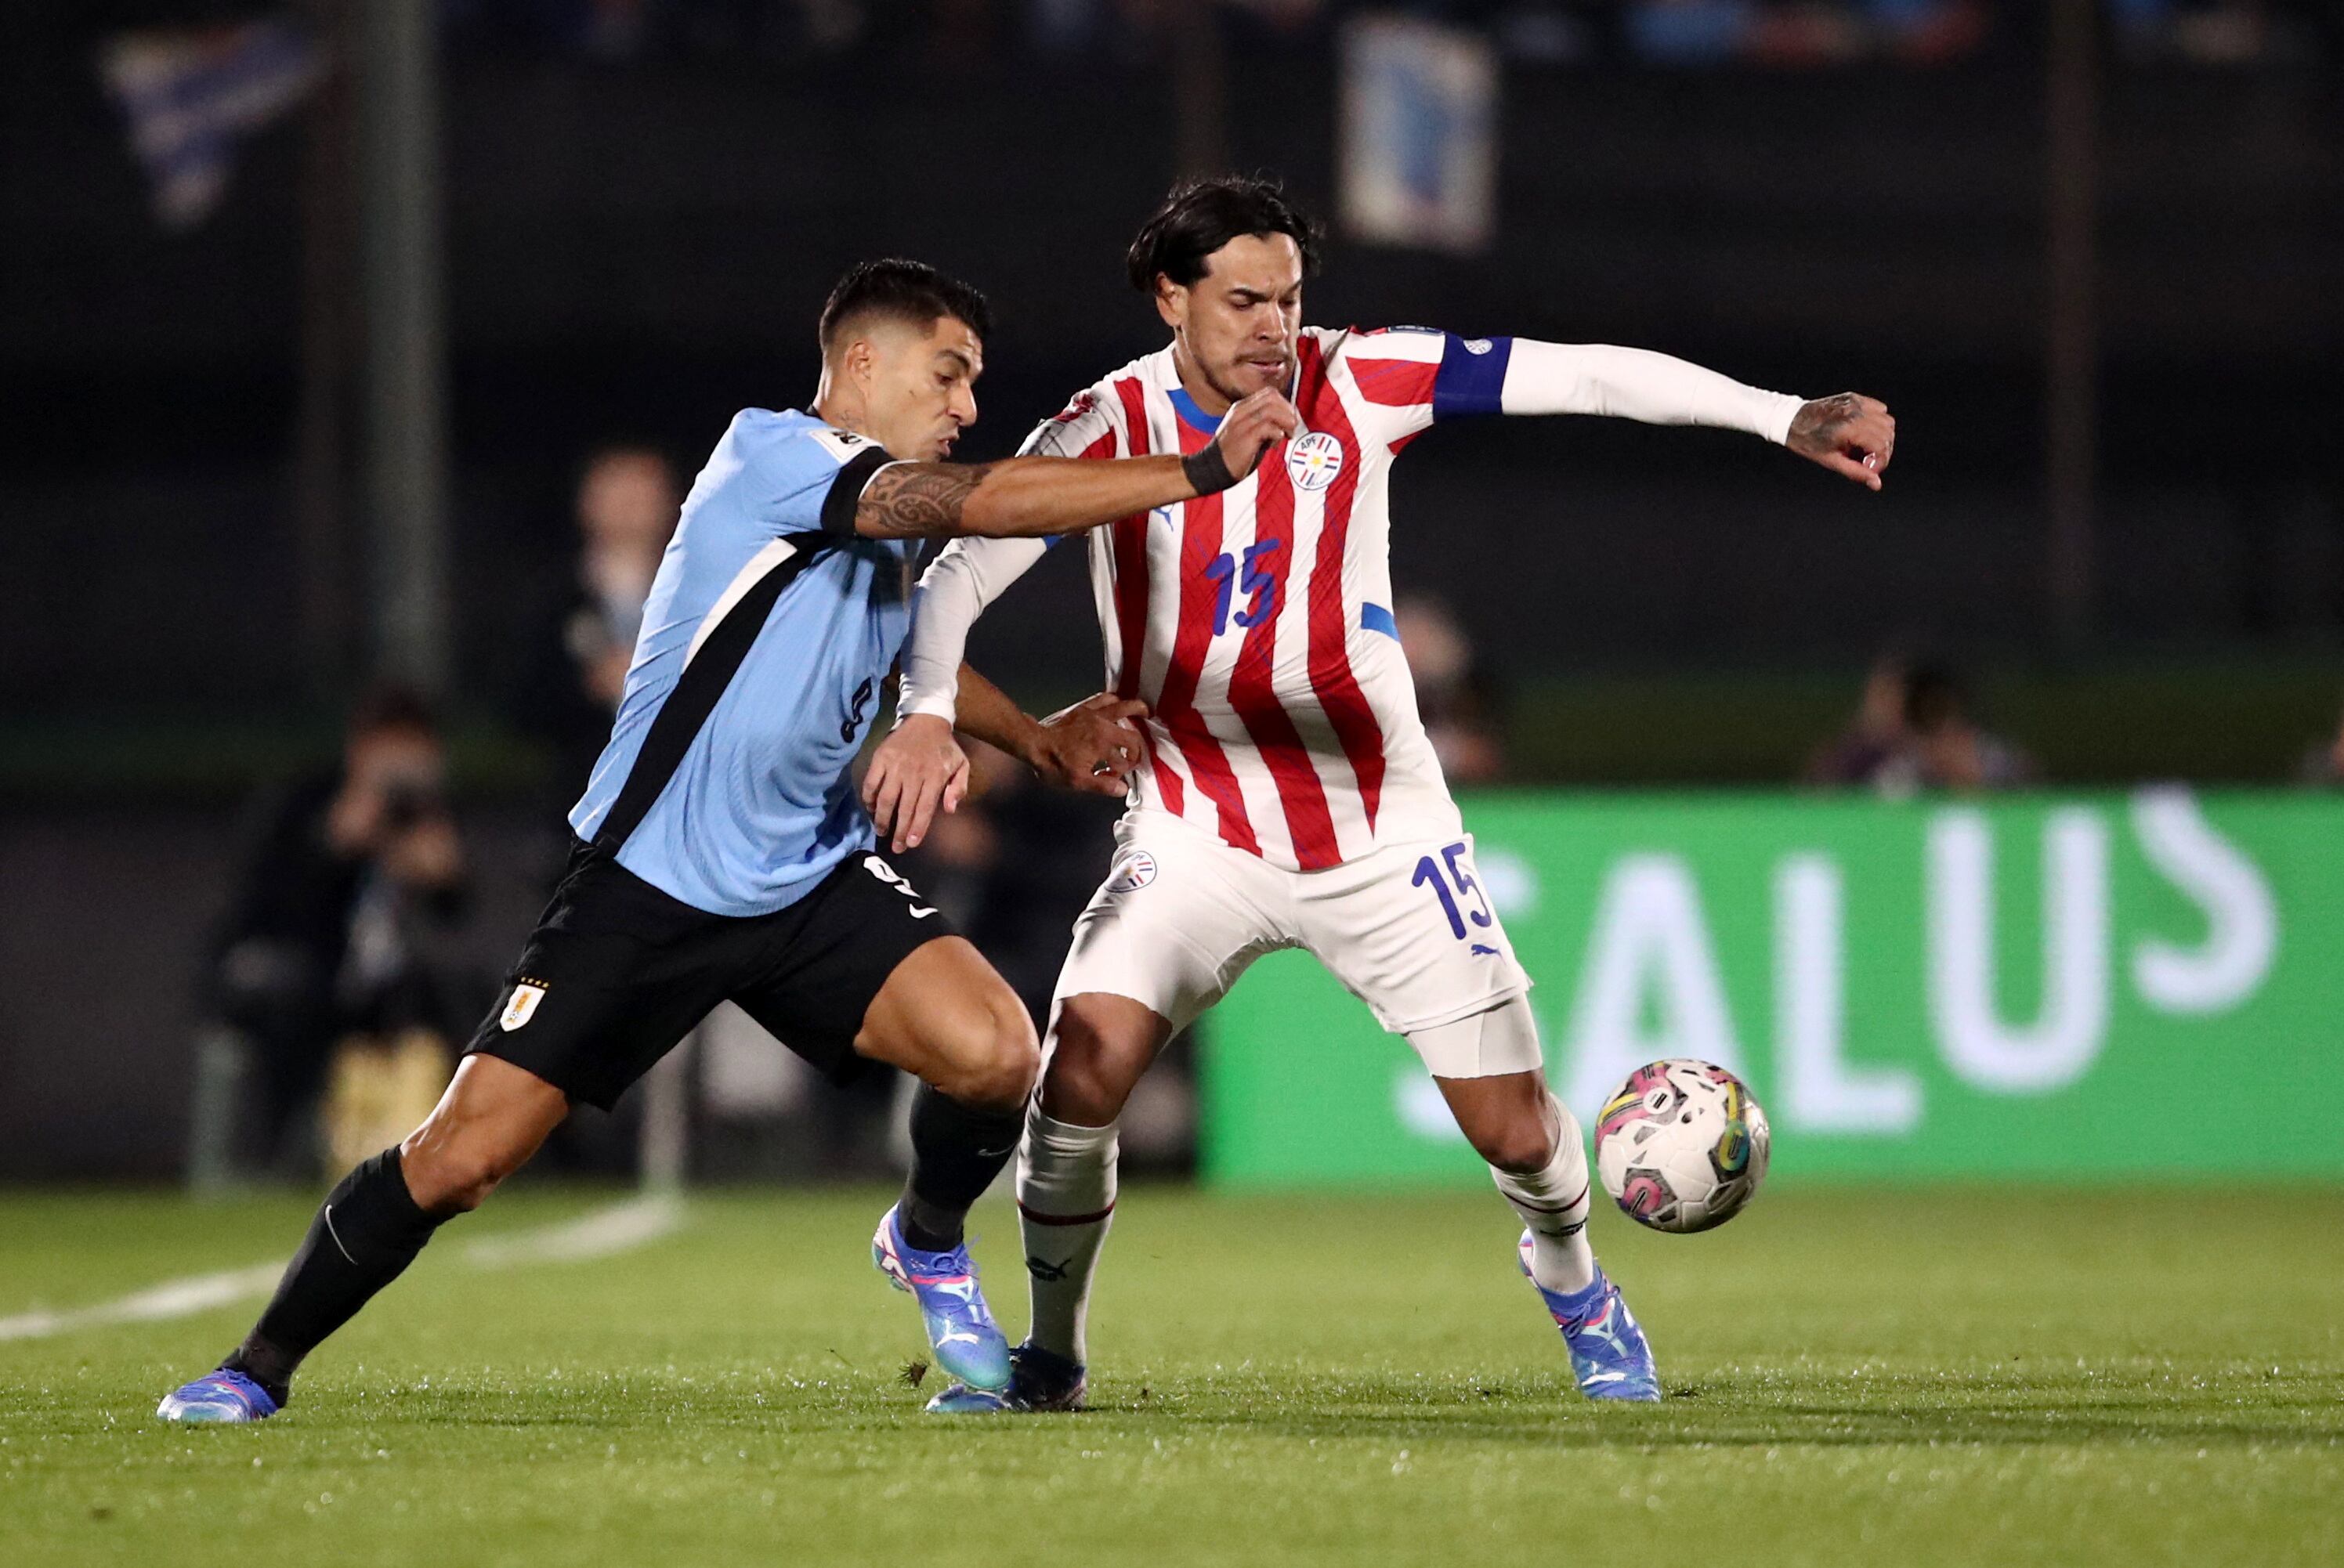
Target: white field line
171, 1299
620, 1228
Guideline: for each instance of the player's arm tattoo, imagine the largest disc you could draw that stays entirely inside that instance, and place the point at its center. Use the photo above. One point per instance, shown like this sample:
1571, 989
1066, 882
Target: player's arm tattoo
916, 500
1816, 426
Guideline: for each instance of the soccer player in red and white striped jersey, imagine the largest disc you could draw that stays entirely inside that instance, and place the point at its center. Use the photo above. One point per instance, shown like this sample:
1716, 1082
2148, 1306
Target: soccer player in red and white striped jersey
1286, 794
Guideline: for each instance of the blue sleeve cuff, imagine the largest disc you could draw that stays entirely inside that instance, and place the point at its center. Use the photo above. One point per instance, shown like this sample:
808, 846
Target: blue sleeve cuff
1472, 376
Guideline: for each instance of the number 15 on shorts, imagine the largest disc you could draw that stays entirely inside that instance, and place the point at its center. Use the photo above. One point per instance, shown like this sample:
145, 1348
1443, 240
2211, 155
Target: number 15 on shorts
1462, 900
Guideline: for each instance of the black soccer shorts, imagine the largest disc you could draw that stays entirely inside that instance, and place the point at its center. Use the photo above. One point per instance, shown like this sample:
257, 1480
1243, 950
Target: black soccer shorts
617, 972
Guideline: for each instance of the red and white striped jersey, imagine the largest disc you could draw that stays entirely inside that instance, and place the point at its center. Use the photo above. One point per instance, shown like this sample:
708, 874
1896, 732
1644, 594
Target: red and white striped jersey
1257, 623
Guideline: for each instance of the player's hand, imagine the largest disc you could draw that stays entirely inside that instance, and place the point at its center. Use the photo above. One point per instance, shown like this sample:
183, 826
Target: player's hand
914, 770
1091, 747
1253, 427
1850, 433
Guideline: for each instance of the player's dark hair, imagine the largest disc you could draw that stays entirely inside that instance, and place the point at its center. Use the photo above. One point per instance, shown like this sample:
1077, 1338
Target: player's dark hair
1202, 216
393, 706
623, 448
902, 290
1934, 696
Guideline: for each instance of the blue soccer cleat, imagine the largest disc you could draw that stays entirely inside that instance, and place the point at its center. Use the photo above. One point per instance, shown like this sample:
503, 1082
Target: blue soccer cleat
962, 1399
1608, 1354
1039, 1379
217, 1398
968, 1343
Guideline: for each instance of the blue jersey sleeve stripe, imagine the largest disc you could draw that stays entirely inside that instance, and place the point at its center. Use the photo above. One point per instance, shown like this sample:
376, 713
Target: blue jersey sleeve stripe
1376, 618
1472, 376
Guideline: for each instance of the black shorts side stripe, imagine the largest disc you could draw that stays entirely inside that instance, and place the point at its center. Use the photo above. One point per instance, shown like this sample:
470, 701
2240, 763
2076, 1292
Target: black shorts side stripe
846, 490
697, 691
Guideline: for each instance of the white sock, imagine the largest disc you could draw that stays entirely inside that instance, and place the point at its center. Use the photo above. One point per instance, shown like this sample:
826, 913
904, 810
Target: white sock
1066, 1201
1553, 1202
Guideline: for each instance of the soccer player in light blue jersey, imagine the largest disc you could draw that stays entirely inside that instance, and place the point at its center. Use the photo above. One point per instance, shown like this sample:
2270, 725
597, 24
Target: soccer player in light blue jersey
721, 852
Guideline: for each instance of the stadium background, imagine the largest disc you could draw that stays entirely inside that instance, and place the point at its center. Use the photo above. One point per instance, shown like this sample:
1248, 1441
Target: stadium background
1991, 824
2116, 510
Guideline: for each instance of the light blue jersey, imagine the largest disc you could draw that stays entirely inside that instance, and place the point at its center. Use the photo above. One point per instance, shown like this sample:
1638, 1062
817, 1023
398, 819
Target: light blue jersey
768, 633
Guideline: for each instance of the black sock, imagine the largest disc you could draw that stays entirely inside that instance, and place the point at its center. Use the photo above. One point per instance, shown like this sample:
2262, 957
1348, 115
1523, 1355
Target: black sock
956, 1151
366, 1233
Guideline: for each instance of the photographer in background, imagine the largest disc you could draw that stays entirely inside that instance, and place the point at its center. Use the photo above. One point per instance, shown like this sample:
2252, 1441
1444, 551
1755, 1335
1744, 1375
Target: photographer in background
1915, 732
328, 963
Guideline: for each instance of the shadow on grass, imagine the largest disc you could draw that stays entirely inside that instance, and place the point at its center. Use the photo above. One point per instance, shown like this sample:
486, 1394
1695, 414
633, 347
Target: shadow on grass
2300, 1411
2286, 1410
1792, 1426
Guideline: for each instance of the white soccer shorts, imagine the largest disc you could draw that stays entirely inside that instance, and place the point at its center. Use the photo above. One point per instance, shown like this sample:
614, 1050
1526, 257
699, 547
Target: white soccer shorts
1408, 928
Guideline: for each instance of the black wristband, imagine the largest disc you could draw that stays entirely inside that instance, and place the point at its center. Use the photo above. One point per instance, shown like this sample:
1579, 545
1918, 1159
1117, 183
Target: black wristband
1208, 470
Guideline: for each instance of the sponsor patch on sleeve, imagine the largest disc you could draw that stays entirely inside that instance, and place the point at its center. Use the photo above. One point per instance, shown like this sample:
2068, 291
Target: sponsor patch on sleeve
843, 445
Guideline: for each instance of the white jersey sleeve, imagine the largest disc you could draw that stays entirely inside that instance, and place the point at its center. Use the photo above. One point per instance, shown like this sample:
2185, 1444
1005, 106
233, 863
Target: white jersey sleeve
1637, 384
1413, 377
969, 573
966, 577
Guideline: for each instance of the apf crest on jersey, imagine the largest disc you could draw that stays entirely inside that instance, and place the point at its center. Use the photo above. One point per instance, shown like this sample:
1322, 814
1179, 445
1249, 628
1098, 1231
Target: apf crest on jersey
1136, 872
1313, 460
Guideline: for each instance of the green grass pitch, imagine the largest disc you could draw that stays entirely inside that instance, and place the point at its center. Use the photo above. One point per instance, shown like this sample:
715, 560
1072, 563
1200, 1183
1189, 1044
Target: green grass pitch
1945, 1376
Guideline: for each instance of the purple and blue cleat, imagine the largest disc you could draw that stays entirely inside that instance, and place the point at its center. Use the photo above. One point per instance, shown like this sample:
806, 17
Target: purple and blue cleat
1608, 1354
1039, 1379
968, 1344
217, 1399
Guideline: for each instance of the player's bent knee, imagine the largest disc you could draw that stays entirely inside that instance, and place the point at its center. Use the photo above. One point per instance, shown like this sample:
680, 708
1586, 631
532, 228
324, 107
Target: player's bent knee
1016, 1063
1095, 1062
992, 1058
1002, 1084
1518, 1147
453, 1181
1077, 1086
453, 1170
1509, 1119
491, 1119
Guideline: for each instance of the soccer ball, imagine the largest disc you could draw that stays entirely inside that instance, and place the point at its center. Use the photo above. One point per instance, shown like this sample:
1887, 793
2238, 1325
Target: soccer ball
1680, 1145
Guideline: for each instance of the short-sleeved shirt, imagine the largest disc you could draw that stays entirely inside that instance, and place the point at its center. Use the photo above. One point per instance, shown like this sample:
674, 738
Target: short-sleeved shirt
769, 631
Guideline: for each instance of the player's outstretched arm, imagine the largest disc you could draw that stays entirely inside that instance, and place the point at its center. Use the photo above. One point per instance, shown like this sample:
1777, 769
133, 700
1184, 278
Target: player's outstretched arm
1089, 746
966, 575
1026, 497
920, 769
1849, 434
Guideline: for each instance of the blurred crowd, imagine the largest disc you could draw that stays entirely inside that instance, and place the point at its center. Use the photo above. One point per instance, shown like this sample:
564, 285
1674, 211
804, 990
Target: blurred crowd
1915, 730
1668, 33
